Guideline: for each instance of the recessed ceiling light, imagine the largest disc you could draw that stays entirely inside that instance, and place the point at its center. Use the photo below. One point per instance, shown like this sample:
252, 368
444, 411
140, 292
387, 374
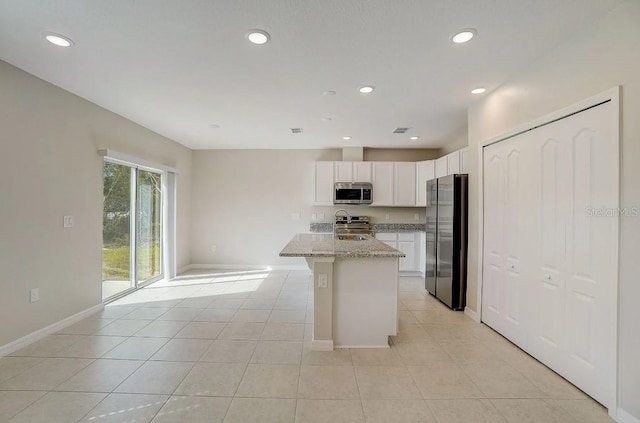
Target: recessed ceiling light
478, 90
414, 138
258, 36
347, 138
366, 89
463, 36
57, 39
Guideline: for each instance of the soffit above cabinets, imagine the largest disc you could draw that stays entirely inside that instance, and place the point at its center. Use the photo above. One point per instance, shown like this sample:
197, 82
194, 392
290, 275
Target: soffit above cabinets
187, 71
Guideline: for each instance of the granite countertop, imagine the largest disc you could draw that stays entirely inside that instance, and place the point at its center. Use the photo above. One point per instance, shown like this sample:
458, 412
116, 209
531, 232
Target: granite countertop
326, 245
323, 227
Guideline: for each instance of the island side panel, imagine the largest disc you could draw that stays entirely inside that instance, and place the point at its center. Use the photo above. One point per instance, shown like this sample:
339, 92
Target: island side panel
365, 302
322, 304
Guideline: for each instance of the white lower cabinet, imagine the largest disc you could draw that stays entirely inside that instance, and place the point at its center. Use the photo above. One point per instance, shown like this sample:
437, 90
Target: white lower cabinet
549, 263
409, 244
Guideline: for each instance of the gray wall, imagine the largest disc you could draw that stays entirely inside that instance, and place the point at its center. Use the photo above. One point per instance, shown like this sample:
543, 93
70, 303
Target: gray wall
243, 201
49, 167
602, 56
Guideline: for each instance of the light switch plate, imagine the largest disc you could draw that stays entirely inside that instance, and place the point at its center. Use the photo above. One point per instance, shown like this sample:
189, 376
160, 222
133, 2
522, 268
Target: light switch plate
386, 216
34, 295
68, 221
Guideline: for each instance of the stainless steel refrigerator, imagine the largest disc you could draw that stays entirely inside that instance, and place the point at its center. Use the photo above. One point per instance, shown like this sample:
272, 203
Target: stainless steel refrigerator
446, 235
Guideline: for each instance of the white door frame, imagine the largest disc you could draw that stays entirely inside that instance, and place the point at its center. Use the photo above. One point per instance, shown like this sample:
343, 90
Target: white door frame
612, 95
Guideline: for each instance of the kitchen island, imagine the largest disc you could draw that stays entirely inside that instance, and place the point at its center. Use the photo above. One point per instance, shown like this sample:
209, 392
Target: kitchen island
355, 298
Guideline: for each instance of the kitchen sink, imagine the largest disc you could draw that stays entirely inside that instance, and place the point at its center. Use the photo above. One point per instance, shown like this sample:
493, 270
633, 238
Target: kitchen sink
351, 237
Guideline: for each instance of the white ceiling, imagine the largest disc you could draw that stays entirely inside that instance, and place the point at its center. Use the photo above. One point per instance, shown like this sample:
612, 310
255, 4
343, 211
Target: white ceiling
176, 67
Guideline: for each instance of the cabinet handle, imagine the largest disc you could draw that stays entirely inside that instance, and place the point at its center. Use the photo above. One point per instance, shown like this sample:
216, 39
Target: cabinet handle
548, 277
513, 266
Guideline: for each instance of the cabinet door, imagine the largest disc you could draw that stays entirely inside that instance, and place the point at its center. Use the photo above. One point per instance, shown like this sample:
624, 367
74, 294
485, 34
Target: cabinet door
382, 183
453, 163
343, 171
441, 167
323, 184
464, 160
425, 171
404, 184
361, 171
407, 263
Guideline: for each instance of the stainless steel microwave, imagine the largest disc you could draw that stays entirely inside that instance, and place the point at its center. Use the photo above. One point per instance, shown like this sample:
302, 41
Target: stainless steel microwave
352, 193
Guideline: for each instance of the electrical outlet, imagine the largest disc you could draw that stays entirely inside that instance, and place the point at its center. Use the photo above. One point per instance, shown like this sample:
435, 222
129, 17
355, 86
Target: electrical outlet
386, 216
34, 295
320, 216
314, 216
68, 222
323, 281
416, 217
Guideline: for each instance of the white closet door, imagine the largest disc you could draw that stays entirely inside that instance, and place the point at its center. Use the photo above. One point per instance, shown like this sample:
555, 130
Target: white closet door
591, 257
507, 199
550, 245
494, 255
515, 221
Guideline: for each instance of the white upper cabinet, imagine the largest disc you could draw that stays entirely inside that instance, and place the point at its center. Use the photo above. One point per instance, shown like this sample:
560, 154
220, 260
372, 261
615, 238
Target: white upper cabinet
343, 171
442, 167
383, 183
425, 171
362, 172
464, 160
352, 171
404, 193
323, 184
453, 163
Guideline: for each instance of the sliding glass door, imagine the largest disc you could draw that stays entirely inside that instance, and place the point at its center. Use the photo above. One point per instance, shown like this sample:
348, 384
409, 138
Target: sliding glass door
132, 228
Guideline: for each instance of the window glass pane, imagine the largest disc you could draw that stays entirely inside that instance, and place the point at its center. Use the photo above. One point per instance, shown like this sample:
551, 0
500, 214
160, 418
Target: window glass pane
116, 230
148, 225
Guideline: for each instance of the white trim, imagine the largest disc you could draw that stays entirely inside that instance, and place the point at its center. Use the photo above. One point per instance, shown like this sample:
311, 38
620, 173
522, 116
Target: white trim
46, 331
135, 161
183, 269
475, 316
623, 416
613, 95
322, 345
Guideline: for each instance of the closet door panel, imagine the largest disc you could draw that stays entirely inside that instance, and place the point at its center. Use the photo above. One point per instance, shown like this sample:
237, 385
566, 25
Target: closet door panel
493, 278
548, 287
514, 235
591, 240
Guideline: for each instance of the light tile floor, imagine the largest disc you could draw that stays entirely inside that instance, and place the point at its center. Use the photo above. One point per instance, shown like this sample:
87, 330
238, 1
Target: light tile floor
233, 347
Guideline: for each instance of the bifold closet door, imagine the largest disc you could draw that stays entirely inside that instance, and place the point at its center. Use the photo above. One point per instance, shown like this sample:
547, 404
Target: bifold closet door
576, 262
550, 245
506, 185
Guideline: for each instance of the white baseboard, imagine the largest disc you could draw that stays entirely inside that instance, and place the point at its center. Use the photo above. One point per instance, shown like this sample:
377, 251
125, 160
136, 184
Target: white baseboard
184, 269
46, 331
473, 315
318, 345
624, 417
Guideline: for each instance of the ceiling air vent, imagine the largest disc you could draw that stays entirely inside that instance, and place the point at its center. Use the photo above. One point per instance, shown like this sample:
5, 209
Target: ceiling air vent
400, 130
296, 130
